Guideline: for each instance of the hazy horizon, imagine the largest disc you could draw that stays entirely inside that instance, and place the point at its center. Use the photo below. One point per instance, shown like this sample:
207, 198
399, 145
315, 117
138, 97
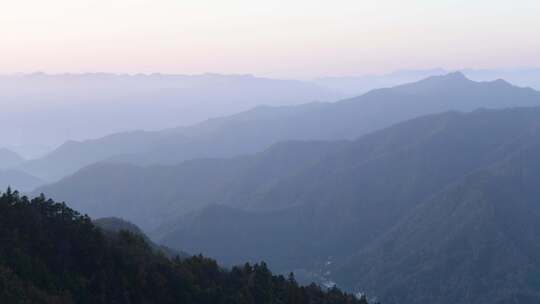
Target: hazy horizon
273, 38
434, 70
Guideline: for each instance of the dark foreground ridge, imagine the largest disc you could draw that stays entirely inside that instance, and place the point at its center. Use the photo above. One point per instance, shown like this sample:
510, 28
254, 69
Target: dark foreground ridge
49, 253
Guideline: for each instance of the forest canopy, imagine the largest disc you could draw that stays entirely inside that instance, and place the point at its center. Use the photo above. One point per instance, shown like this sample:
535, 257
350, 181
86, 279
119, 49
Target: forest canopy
50, 253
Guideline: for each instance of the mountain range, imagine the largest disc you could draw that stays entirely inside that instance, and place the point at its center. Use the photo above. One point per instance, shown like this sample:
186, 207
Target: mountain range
257, 129
356, 85
382, 208
93, 105
440, 208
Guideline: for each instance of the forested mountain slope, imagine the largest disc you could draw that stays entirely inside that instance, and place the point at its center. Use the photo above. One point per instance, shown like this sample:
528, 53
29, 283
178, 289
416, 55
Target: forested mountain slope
56, 255
150, 195
477, 241
116, 225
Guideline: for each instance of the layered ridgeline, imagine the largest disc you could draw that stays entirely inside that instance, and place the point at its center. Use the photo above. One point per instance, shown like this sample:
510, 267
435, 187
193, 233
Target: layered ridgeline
9, 158
441, 208
15, 178
96, 104
148, 196
253, 131
355, 85
19, 180
56, 255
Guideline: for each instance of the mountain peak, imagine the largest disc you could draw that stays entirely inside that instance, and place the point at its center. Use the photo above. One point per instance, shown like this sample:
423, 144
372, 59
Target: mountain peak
456, 75
440, 82
502, 82
450, 77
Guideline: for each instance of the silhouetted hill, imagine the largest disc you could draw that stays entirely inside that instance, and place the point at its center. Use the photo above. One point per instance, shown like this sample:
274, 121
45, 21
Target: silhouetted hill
116, 225
56, 255
255, 130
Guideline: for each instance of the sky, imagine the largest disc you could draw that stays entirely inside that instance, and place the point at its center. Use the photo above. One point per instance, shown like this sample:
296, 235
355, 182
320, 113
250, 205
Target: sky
294, 39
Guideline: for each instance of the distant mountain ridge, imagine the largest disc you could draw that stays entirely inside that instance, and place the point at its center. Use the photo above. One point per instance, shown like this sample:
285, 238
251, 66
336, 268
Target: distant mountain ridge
255, 130
17, 179
355, 85
9, 158
94, 105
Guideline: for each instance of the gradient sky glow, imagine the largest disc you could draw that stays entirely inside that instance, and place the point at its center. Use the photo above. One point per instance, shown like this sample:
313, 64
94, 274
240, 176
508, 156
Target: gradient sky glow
296, 38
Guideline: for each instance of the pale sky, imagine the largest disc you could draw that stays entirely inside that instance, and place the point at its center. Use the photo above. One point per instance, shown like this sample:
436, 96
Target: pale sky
295, 38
